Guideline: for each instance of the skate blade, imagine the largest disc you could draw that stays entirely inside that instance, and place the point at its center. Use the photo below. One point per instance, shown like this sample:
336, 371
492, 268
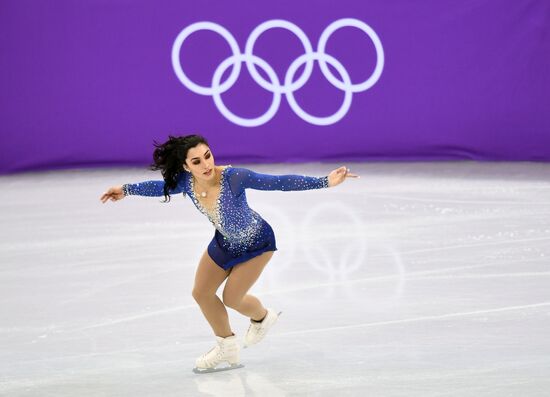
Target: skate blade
210, 370
245, 346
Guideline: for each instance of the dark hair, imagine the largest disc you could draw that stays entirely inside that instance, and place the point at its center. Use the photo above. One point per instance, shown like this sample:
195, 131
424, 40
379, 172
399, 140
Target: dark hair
170, 156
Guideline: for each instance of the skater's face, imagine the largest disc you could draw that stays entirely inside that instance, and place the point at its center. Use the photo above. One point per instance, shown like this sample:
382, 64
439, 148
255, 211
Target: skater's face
200, 162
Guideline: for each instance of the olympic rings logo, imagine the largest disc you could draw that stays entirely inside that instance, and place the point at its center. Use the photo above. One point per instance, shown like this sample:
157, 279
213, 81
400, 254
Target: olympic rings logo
290, 84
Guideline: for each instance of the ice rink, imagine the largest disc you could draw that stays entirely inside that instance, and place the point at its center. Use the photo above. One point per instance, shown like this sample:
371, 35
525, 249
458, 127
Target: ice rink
418, 279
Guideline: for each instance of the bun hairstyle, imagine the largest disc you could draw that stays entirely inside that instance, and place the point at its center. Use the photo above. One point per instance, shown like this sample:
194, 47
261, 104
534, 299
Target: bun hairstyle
170, 156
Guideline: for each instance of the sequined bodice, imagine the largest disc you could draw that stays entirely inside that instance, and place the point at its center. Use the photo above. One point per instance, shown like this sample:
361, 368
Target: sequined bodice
231, 215
214, 214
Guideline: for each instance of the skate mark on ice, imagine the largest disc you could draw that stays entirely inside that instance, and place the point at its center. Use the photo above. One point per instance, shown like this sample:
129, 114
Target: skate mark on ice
416, 319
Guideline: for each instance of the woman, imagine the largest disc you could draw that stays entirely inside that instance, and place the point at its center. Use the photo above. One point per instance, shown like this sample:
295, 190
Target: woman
243, 242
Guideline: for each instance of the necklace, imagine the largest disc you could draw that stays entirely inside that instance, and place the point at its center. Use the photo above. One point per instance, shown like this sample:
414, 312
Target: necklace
204, 193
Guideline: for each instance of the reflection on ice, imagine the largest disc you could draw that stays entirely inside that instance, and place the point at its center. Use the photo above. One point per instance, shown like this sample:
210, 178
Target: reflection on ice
237, 384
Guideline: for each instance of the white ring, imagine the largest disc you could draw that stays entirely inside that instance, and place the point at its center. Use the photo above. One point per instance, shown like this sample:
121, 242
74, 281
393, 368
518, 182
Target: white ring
274, 86
351, 22
176, 64
249, 48
347, 82
264, 118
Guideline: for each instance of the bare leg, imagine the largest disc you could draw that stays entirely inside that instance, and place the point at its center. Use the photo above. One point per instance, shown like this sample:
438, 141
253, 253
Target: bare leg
208, 278
241, 279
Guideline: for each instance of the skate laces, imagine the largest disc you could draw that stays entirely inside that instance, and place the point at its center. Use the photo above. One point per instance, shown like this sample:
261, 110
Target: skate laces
213, 354
224, 349
257, 328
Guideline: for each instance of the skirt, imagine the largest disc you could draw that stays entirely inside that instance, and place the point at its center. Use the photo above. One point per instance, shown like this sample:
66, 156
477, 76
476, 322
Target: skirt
227, 255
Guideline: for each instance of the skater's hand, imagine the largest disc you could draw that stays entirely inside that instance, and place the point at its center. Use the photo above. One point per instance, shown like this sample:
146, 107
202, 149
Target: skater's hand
338, 176
114, 193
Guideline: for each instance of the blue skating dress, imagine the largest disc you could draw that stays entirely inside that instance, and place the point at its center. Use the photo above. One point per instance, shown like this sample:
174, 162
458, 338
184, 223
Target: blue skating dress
241, 233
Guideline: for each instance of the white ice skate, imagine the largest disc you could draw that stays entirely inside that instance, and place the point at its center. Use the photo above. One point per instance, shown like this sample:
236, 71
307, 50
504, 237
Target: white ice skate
257, 331
226, 350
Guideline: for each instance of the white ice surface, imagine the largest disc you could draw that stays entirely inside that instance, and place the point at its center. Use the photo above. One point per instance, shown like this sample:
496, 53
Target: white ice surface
418, 279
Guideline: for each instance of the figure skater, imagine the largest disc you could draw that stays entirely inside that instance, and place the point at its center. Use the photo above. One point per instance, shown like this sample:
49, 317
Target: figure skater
243, 241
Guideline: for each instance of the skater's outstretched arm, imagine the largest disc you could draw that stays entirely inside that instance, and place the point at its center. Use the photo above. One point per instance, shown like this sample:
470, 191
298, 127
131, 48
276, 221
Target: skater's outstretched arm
242, 178
147, 188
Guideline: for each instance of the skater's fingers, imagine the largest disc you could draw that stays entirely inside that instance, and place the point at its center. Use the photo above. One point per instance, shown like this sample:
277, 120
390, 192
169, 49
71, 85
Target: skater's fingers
349, 174
108, 196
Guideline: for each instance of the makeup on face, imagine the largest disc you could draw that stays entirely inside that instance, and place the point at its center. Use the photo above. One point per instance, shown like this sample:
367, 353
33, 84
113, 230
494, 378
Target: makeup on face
196, 165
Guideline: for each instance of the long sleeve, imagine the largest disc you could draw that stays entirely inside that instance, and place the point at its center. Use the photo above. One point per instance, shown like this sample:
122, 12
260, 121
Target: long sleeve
152, 188
242, 178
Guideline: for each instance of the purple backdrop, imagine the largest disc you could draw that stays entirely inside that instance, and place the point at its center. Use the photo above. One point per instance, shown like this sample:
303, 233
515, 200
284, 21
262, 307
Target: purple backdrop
88, 83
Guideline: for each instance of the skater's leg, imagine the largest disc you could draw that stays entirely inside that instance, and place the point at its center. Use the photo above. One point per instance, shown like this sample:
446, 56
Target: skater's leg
240, 280
208, 278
